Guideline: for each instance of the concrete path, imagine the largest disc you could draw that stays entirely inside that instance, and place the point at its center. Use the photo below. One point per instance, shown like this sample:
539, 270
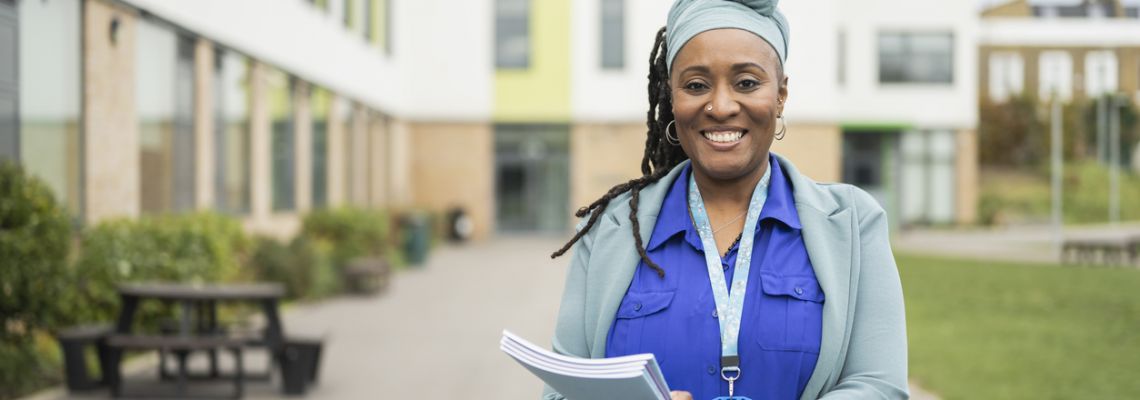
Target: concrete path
1015, 243
434, 334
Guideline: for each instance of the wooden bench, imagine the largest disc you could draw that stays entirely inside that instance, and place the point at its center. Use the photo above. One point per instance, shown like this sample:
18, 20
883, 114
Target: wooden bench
179, 345
367, 275
1103, 250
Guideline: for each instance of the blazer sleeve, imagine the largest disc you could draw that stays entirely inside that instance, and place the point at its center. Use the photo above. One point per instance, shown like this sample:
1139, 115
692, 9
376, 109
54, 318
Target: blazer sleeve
570, 331
876, 362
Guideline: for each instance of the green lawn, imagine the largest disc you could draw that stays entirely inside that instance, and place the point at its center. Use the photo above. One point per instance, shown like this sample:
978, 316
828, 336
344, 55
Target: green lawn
993, 330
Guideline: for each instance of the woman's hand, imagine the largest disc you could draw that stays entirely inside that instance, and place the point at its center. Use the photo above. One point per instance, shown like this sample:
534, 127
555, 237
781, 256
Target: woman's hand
680, 395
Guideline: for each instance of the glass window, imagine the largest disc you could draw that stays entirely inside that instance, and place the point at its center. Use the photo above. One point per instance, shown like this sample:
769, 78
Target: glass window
613, 34
9, 82
369, 21
387, 31
1100, 72
907, 57
1007, 75
348, 12
232, 148
321, 101
841, 65
283, 141
1055, 76
164, 100
49, 95
512, 33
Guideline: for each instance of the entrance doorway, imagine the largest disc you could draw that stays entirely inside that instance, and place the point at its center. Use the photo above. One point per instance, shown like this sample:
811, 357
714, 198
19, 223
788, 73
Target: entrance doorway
532, 178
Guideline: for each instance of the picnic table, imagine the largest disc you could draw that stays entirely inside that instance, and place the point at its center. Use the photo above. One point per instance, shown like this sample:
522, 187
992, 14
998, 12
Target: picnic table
197, 326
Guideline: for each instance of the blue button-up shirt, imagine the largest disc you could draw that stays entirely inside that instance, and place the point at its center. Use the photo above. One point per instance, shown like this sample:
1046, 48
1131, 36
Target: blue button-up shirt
675, 318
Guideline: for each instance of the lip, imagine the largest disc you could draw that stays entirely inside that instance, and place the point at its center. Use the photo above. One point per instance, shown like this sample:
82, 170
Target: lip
722, 128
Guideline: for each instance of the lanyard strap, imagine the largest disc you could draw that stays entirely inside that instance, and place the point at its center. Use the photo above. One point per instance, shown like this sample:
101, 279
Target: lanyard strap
729, 305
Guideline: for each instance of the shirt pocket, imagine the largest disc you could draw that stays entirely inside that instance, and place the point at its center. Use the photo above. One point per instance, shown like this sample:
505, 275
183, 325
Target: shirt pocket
635, 309
791, 313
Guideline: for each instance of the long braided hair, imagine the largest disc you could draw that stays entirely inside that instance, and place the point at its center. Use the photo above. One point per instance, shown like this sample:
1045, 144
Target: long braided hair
659, 158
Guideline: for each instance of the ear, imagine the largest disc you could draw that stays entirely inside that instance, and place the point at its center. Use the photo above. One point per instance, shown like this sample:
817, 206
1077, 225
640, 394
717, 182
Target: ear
782, 95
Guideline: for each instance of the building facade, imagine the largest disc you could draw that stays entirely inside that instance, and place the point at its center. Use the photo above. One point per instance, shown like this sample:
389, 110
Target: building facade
517, 111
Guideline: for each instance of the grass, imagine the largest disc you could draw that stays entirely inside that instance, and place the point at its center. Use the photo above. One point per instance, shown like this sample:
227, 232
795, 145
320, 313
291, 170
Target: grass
992, 330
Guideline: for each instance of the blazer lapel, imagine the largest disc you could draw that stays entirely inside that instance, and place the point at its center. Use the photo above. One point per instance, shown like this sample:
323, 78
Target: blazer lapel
615, 253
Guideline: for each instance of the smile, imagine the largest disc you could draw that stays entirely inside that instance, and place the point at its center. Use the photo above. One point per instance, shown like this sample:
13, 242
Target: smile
723, 136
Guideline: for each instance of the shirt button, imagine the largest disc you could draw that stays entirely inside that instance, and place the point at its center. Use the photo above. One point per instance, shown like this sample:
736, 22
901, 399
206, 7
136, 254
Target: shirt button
724, 266
637, 307
714, 314
712, 371
799, 291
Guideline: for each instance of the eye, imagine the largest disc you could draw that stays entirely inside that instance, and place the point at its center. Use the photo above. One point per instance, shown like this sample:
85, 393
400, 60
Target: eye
695, 86
748, 84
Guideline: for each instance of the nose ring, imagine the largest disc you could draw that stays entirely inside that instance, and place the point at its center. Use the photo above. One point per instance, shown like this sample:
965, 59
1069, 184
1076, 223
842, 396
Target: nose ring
708, 107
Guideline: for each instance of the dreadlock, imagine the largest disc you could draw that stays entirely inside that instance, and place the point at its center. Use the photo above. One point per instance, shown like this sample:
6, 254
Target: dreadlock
659, 158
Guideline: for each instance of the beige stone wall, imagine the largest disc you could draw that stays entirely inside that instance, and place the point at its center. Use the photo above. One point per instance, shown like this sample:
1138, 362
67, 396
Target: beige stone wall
815, 149
400, 163
204, 125
110, 122
452, 164
966, 172
601, 156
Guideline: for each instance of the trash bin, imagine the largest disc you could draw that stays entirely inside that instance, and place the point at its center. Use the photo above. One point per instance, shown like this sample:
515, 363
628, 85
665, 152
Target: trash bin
300, 363
459, 225
74, 343
417, 237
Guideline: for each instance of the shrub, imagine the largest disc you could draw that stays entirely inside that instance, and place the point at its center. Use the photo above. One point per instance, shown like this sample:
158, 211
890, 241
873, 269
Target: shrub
34, 243
303, 266
181, 248
348, 233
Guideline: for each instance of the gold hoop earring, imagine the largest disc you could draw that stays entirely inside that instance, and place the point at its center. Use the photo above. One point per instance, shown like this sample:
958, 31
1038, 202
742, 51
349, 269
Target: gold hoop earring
673, 140
783, 127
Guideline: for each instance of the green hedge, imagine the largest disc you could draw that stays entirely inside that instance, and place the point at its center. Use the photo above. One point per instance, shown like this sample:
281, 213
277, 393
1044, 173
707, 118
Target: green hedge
34, 247
199, 247
350, 233
303, 266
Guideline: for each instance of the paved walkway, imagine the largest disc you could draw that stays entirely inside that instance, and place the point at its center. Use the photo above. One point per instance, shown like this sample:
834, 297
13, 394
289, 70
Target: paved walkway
435, 333
1017, 243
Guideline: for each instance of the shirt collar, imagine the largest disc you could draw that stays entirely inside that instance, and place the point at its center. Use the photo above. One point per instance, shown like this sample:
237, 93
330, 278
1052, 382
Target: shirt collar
674, 216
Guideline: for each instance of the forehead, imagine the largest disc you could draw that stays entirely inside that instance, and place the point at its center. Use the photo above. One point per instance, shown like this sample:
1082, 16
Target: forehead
725, 46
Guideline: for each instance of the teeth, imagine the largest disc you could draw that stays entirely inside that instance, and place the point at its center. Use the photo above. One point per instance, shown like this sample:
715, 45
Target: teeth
724, 137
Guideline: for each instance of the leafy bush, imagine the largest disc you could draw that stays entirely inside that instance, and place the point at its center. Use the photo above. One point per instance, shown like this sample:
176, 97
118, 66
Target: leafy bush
303, 266
349, 233
34, 244
181, 248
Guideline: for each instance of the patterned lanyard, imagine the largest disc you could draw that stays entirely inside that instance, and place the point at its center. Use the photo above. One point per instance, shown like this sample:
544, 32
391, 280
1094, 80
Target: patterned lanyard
729, 305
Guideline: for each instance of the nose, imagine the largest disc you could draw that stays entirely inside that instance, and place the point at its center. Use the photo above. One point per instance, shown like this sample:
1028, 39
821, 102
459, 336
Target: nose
724, 103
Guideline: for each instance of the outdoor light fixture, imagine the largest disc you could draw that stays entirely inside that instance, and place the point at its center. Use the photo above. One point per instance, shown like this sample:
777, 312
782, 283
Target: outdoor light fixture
114, 32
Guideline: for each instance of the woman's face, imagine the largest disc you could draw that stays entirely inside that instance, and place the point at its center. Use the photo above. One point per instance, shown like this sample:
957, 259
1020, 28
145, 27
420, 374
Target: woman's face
735, 72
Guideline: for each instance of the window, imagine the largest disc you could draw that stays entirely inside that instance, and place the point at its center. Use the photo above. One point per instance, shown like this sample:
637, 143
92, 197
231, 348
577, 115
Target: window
387, 30
283, 141
164, 100
1055, 75
613, 34
1100, 73
1007, 75
347, 11
512, 34
916, 58
320, 100
48, 92
369, 21
232, 147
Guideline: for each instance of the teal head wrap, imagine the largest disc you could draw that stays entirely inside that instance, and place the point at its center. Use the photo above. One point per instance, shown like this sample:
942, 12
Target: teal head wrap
687, 18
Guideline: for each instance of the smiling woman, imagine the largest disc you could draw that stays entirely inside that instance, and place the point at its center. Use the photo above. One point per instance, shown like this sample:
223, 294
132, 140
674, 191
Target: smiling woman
800, 298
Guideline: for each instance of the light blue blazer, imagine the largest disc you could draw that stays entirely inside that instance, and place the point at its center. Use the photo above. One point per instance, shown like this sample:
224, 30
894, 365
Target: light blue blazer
863, 354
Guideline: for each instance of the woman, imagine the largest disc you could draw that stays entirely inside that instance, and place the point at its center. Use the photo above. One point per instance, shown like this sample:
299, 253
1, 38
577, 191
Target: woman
800, 298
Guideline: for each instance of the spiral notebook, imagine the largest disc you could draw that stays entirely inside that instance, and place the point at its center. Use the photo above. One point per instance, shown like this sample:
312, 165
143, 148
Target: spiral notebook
635, 377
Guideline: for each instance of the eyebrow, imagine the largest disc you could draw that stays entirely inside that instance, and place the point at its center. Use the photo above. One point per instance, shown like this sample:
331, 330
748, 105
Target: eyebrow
735, 67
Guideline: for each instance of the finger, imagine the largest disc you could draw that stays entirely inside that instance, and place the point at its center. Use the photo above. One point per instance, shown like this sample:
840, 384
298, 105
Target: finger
680, 395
